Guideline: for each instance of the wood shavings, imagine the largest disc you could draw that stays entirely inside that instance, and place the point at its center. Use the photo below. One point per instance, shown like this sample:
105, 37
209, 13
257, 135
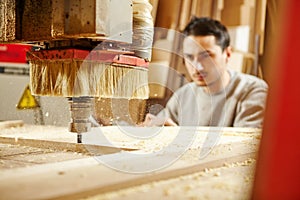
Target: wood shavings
196, 185
247, 179
221, 186
216, 183
16, 156
217, 174
61, 173
167, 192
187, 188
83, 175
206, 170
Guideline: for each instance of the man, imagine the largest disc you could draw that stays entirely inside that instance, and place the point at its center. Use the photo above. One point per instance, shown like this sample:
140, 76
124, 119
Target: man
217, 96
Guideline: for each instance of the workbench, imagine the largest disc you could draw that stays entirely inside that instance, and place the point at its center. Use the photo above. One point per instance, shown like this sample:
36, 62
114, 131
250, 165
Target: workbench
45, 162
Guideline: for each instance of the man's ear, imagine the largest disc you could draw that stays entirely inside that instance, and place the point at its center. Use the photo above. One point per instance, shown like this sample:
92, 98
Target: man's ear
228, 52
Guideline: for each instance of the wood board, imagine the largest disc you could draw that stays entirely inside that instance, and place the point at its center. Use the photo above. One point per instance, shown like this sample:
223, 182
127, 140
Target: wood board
85, 177
11, 124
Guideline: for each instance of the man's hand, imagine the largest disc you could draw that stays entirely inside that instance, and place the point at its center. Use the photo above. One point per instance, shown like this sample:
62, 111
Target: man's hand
152, 120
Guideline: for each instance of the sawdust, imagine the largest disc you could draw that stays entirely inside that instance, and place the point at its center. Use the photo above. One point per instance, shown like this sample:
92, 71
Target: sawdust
228, 182
17, 156
233, 180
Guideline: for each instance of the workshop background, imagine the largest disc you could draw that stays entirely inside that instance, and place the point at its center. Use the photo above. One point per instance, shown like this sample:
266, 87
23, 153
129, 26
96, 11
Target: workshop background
42, 149
247, 26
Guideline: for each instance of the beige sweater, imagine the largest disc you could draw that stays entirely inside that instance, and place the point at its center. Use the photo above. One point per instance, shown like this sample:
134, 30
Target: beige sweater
240, 104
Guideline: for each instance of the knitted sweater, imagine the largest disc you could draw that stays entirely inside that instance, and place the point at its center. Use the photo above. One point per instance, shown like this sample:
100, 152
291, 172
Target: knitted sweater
240, 104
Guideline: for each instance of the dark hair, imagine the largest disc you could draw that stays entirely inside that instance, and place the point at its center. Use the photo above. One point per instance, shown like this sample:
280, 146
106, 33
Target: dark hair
203, 26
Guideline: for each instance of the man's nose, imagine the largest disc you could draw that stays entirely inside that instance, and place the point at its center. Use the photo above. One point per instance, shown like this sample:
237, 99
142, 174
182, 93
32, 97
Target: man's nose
197, 65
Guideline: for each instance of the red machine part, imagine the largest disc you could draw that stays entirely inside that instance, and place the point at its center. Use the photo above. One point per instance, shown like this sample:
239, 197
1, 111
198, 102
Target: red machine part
95, 55
14, 53
278, 167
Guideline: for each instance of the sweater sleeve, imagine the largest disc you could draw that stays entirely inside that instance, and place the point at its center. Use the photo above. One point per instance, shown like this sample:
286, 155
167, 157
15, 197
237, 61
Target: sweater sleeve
171, 109
251, 107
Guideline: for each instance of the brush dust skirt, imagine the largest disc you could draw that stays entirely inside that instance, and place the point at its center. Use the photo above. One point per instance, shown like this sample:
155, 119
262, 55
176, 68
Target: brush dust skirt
75, 78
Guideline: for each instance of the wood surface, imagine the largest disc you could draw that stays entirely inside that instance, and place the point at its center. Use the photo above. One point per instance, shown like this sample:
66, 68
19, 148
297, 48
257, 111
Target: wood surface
227, 182
11, 124
85, 177
7, 20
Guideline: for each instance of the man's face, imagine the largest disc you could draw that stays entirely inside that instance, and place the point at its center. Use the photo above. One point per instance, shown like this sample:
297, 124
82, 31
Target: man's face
204, 59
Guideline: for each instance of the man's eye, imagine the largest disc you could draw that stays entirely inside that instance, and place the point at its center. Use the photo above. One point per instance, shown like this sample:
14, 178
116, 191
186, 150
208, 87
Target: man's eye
189, 56
210, 55
204, 55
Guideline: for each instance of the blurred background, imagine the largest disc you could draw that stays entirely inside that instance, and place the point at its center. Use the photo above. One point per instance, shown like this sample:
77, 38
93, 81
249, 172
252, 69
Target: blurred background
250, 24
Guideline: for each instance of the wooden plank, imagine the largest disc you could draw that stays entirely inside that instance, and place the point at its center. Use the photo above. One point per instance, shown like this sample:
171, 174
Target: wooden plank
64, 146
260, 22
7, 20
185, 15
16, 156
36, 21
88, 177
11, 124
58, 17
8, 150
80, 16
168, 14
228, 182
154, 4
39, 20
116, 137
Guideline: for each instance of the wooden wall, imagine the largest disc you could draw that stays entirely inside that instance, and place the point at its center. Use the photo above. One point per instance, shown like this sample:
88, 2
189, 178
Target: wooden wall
175, 14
